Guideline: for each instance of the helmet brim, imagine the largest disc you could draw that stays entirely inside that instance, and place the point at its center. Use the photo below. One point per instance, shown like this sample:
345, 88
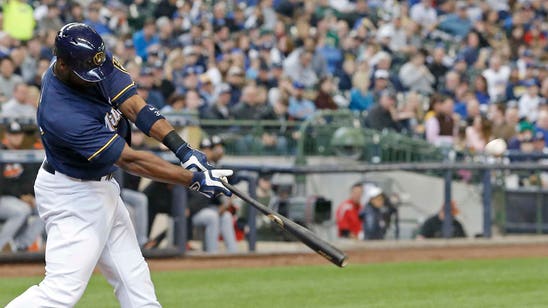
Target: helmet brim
98, 73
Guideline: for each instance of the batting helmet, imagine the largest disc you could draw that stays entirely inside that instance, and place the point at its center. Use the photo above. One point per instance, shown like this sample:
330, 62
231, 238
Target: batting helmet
83, 50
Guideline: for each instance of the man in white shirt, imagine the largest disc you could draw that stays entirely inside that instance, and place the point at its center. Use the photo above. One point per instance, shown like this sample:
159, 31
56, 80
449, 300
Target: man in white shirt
424, 14
497, 77
529, 102
16, 106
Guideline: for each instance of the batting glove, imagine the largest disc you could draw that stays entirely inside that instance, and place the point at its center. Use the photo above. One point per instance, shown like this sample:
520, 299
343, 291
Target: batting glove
209, 184
193, 160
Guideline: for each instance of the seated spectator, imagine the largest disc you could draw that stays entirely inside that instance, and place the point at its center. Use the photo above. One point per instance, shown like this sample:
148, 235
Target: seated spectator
497, 76
134, 199
377, 214
416, 76
299, 68
300, 108
410, 114
542, 123
384, 114
349, 223
508, 129
433, 226
480, 90
175, 104
529, 102
324, 99
478, 134
457, 24
360, 97
17, 107
522, 141
219, 109
8, 78
17, 203
213, 213
440, 128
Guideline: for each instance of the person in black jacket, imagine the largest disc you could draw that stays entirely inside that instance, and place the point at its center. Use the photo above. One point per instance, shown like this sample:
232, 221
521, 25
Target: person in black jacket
432, 227
383, 115
17, 202
377, 214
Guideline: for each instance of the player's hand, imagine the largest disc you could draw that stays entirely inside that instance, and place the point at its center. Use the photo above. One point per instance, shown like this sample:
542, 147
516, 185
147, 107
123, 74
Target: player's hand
194, 160
209, 184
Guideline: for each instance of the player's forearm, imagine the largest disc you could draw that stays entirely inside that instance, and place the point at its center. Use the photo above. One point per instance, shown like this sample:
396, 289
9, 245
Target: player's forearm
148, 165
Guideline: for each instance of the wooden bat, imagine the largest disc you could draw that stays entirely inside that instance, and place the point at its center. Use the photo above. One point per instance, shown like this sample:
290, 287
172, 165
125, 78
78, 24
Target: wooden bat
304, 235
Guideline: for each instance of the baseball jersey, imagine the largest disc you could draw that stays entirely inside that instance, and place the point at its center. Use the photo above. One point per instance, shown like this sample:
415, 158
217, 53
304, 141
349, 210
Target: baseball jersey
82, 129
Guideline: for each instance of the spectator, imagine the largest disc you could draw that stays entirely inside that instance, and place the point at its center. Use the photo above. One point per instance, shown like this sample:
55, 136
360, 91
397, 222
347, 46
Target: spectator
17, 106
480, 90
382, 83
433, 226
384, 114
479, 134
8, 79
509, 127
94, 18
349, 224
377, 214
542, 124
497, 76
457, 24
415, 74
440, 128
529, 102
324, 99
438, 65
424, 14
300, 108
18, 19
360, 97
522, 141
212, 214
135, 200
299, 69
145, 38
17, 202
251, 107
220, 110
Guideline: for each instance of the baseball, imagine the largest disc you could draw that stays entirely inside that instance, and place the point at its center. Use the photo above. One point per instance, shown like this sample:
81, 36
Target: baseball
495, 147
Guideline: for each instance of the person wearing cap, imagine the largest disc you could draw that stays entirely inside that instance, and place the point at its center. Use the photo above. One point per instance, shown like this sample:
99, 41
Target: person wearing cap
432, 226
17, 107
347, 215
17, 202
522, 141
300, 108
381, 82
236, 80
220, 108
377, 214
384, 114
530, 101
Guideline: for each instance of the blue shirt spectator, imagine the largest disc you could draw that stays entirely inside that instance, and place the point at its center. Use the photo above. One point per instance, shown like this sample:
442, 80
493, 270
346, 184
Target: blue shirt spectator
359, 100
145, 38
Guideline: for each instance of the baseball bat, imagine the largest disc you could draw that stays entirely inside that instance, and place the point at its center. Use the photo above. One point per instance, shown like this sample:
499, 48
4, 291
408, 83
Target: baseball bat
304, 235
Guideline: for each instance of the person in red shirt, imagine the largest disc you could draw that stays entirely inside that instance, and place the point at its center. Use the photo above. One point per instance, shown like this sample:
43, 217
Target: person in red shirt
348, 220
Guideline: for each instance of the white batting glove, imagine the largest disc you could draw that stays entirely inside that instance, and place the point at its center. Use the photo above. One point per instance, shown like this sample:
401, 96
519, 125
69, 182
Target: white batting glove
209, 184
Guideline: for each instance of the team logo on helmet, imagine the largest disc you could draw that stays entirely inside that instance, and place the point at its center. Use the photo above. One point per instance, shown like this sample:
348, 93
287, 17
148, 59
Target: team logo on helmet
99, 58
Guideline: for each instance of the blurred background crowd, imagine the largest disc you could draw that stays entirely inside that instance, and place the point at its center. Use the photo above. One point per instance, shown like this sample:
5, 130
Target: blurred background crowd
454, 73
457, 73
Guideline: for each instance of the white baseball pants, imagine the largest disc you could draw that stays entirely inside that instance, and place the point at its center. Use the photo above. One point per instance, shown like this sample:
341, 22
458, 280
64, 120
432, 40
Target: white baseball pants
87, 225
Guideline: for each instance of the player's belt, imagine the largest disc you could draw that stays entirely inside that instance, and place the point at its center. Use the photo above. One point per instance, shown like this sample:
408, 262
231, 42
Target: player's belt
49, 168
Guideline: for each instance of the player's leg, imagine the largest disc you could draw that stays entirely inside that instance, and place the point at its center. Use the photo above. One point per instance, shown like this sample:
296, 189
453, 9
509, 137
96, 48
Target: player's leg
139, 202
227, 231
124, 266
77, 224
209, 218
14, 212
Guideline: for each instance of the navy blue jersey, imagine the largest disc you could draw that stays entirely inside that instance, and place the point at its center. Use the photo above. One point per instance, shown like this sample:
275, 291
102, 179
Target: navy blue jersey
82, 130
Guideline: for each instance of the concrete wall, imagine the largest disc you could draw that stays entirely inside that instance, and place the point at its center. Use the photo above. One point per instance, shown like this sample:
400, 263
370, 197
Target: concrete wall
422, 194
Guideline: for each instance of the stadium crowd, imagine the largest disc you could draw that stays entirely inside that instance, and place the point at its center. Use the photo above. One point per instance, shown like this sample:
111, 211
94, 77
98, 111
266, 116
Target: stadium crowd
457, 73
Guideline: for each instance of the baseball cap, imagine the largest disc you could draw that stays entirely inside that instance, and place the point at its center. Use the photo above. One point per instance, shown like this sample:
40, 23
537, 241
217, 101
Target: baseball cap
14, 128
298, 85
381, 74
223, 88
374, 191
523, 126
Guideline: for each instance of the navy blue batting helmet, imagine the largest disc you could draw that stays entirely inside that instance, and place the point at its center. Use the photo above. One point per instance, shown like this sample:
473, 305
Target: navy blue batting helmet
83, 50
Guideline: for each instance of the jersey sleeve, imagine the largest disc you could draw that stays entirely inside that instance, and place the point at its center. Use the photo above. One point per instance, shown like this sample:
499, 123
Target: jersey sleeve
93, 141
118, 85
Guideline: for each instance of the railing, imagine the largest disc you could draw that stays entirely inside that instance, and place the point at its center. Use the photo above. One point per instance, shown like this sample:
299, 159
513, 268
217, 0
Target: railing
487, 168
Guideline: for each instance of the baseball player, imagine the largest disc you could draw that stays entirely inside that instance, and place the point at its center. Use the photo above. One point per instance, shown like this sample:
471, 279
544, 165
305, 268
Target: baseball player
86, 101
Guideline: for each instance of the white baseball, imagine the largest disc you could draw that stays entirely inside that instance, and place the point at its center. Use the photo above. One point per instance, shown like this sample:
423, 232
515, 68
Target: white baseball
495, 147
